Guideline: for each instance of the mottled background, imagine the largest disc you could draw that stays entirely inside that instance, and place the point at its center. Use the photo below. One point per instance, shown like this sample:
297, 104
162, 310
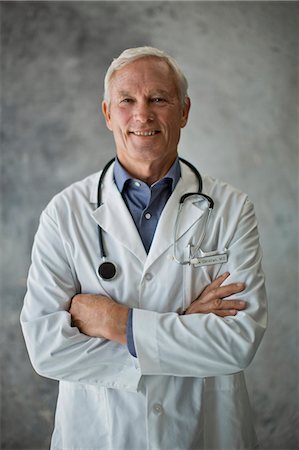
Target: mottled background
241, 61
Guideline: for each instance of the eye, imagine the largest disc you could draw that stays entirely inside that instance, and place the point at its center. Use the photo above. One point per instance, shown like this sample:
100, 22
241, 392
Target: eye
158, 100
126, 100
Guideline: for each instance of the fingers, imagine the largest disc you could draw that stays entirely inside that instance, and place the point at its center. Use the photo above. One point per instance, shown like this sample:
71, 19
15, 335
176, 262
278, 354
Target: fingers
221, 292
216, 283
226, 291
211, 298
225, 313
217, 306
230, 304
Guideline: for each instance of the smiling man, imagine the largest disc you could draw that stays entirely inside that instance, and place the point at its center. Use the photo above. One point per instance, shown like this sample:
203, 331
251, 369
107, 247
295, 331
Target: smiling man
145, 114
146, 296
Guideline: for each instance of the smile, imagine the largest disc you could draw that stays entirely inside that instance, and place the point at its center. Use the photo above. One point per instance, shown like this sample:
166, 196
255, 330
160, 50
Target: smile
144, 133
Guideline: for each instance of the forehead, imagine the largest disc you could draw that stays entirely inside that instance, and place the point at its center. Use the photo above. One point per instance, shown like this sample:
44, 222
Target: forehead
149, 73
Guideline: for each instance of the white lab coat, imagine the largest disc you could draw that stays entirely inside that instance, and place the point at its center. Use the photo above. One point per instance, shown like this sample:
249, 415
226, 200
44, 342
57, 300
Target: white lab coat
186, 389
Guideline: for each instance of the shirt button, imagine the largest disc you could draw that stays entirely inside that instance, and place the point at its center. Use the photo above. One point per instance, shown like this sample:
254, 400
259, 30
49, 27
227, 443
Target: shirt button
157, 409
147, 216
137, 184
148, 276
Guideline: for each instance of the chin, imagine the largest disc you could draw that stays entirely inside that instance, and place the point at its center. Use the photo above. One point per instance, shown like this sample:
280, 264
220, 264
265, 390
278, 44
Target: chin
148, 156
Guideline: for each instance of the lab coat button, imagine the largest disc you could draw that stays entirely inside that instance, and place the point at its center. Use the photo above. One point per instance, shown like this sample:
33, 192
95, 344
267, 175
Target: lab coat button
158, 409
148, 276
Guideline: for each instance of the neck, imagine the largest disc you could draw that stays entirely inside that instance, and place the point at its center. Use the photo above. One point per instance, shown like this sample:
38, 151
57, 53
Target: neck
147, 171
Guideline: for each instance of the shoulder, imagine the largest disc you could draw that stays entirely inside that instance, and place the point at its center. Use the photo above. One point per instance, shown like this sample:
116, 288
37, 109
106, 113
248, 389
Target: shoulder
75, 197
223, 192
230, 203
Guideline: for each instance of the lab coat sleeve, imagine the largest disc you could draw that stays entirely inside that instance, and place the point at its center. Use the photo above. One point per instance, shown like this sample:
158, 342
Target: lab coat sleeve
56, 349
203, 345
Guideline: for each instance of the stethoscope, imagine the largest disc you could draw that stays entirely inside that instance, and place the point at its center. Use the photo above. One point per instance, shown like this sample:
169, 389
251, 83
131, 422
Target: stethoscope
107, 269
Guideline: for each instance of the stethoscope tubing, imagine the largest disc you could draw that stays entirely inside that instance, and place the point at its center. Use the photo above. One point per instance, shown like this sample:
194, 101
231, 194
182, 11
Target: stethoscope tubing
100, 234
107, 270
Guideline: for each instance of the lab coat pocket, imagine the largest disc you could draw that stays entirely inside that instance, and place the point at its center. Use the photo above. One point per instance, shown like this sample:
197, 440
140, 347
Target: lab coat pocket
81, 418
226, 401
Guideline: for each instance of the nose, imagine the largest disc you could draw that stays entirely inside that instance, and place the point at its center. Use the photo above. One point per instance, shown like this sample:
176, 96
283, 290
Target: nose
143, 112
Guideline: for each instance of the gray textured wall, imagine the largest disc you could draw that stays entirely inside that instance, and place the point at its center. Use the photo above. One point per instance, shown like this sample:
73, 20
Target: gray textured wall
241, 61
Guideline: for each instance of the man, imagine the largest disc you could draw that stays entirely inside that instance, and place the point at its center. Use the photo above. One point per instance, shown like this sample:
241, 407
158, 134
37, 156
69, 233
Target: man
153, 357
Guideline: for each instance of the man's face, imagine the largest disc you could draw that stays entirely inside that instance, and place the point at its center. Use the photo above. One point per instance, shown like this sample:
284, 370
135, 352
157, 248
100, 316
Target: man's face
145, 114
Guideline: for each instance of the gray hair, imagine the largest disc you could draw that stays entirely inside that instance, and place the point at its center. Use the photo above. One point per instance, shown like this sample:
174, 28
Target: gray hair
132, 54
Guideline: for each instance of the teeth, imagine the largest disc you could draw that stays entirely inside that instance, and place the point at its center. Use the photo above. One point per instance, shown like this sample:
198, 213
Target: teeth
144, 133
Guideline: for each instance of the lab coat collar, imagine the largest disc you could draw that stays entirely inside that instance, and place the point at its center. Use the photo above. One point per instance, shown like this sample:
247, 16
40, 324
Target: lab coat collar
114, 217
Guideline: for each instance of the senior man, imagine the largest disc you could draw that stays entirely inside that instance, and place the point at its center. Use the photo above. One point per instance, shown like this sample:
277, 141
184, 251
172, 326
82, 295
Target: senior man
148, 333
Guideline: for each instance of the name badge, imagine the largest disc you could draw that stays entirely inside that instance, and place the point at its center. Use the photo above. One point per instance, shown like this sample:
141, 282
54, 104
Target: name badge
210, 259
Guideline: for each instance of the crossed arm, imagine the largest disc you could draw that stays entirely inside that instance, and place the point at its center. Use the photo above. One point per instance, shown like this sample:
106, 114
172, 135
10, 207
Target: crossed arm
100, 316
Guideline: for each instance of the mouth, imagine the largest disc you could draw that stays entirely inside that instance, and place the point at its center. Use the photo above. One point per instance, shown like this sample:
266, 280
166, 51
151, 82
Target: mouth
145, 133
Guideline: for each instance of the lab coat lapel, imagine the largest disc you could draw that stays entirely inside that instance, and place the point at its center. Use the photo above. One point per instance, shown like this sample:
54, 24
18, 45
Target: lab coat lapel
164, 235
114, 217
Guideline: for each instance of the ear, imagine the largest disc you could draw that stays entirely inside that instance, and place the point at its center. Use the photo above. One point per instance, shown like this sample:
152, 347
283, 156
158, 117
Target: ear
185, 112
107, 115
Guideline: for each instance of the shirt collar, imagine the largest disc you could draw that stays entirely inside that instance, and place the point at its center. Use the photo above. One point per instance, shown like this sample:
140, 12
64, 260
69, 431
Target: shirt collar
121, 175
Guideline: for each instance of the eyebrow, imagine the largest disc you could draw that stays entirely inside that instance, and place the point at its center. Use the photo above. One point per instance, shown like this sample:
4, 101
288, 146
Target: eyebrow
124, 94
161, 92
154, 92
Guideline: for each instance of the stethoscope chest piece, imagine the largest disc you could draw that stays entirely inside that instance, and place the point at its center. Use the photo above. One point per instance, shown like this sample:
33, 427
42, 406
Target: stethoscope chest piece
107, 270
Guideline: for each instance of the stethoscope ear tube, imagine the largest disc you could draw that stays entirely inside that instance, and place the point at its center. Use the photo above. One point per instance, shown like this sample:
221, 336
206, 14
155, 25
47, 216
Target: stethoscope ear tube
210, 200
196, 173
182, 199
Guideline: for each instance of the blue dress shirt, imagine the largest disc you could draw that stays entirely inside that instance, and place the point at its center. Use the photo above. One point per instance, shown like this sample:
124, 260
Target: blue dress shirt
145, 204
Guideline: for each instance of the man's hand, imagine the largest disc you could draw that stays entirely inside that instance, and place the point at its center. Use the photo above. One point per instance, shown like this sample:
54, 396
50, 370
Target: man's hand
100, 316
211, 299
